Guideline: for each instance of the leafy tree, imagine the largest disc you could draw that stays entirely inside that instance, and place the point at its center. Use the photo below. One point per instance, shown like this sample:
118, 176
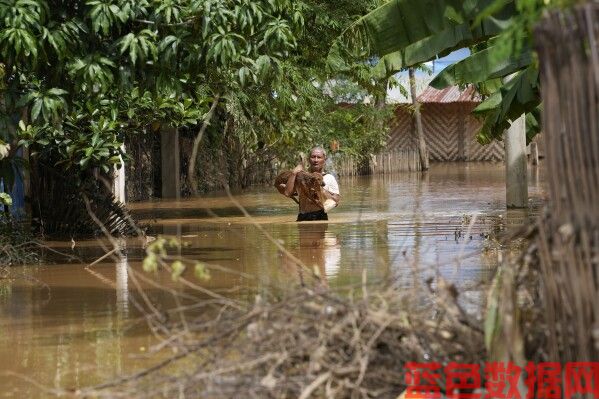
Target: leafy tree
296, 108
87, 73
305, 109
114, 63
84, 75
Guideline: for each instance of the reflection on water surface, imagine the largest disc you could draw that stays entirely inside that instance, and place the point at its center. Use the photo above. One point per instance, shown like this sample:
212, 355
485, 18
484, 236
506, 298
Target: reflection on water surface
66, 327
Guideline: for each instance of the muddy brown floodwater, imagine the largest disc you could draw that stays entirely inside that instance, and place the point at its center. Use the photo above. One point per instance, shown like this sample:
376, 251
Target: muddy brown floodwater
64, 326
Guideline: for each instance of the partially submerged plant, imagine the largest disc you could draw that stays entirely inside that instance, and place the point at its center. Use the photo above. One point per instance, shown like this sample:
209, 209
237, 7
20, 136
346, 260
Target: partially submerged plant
157, 256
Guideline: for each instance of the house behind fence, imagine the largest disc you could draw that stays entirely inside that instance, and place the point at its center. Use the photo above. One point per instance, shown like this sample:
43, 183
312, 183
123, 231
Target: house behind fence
449, 127
450, 132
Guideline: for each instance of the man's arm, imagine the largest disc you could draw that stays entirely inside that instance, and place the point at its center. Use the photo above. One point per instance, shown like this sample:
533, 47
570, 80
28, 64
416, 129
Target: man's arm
290, 186
332, 185
334, 197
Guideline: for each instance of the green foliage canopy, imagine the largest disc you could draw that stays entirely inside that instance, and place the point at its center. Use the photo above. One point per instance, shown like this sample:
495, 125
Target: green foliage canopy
84, 74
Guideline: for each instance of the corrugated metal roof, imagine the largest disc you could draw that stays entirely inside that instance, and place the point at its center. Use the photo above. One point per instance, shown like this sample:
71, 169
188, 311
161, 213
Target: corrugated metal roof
451, 94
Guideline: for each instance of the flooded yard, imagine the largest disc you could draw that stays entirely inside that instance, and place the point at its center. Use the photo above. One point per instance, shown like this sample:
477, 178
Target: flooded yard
63, 325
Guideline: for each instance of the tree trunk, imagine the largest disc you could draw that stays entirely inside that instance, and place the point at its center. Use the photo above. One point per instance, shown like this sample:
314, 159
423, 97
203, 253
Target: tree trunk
191, 170
380, 100
534, 153
422, 150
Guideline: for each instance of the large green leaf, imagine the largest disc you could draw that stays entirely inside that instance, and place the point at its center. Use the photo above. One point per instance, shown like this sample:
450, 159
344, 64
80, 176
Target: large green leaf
404, 33
492, 62
533, 123
394, 26
439, 44
517, 97
400, 23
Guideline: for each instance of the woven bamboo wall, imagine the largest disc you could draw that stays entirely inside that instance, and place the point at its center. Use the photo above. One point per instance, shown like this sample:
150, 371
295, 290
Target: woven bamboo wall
567, 241
449, 131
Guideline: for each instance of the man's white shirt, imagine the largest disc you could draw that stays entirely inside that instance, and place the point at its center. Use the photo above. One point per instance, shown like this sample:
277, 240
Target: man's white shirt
330, 184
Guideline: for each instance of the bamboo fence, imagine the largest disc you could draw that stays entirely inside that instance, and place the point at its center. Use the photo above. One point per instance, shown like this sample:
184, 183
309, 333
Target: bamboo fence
568, 238
405, 160
400, 160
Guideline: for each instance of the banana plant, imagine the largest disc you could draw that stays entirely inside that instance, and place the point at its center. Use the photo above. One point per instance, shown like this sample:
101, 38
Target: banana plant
403, 33
407, 32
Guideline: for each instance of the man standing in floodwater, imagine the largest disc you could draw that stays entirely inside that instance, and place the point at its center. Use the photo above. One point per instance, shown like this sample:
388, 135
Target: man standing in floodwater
308, 209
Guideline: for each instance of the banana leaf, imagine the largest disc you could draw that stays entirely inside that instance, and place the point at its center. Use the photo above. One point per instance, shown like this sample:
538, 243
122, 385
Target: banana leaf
400, 23
414, 31
493, 62
439, 45
533, 123
517, 97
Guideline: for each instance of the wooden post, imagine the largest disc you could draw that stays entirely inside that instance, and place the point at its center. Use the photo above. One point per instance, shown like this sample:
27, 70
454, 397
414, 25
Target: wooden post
169, 150
516, 164
122, 286
534, 153
118, 183
422, 150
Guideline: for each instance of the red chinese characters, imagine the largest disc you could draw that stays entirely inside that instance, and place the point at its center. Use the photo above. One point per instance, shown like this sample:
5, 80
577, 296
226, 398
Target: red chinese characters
501, 380
498, 380
422, 380
581, 378
461, 380
548, 378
